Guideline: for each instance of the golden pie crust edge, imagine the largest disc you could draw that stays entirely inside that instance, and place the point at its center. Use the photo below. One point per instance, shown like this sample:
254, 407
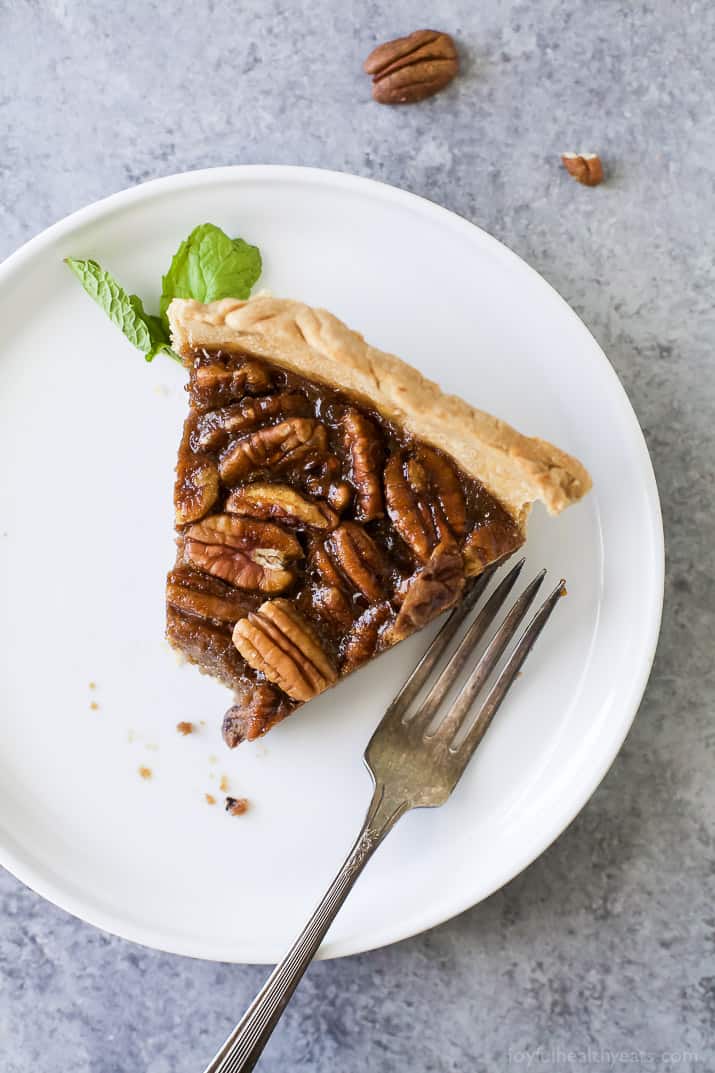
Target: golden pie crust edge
517, 470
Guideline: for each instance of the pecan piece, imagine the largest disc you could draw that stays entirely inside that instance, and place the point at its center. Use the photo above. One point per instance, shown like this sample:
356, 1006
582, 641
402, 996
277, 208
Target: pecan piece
363, 444
411, 68
215, 428
216, 383
273, 448
196, 489
430, 591
361, 642
248, 554
424, 500
276, 641
283, 503
193, 593
359, 559
486, 544
445, 485
408, 513
585, 167
259, 706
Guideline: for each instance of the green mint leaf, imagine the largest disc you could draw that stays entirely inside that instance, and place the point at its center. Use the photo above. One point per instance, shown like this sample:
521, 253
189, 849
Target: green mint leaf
209, 265
143, 330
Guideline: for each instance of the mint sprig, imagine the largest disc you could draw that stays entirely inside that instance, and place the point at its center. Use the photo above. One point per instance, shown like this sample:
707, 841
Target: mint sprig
207, 265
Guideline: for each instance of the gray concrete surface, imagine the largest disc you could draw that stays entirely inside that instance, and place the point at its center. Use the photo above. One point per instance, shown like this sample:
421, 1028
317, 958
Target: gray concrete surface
605, 944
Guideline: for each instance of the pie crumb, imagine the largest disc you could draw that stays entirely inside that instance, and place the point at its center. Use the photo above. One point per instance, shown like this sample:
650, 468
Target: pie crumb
213, 759
94, 706
210, 799
152, 747
145, 772
236, 806
92, 685
185, 728
130, 736
223, 785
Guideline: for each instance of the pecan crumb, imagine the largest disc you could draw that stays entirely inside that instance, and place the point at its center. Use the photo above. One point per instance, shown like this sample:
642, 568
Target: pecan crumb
585, 167
236, 806
210, 799
185, 728
94, 706
145, 772
223, 785
92, 685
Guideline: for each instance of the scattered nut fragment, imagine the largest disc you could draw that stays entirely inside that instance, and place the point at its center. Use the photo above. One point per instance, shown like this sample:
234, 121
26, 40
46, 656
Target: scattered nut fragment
223, 784
275, 447
259, 706
282, 503
236, 806
210, 799
431, 590
366, 457
185, 728
359, 559
411, 68
145, 772
586, 167
279, 643
213, 429
249, 554
196, 489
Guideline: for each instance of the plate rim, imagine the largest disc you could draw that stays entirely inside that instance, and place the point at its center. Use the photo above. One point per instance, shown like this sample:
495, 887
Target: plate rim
44, 884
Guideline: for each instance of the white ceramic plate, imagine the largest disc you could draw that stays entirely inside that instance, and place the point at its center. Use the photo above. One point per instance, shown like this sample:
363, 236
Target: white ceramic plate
88, 434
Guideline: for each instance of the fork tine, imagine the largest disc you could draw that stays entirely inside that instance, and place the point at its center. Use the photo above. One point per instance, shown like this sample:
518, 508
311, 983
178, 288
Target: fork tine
424, 714
465, 749
459, 711
426, 665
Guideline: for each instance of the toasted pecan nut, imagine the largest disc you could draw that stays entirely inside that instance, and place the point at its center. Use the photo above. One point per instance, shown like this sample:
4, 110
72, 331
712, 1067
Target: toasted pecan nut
340, 496
273, 448
430, 591
408, 513
196, 490
444, 485
248, 554
411, 68
276, 641
424, 500
215, 428
282, 503
194, 593
213, 384
585, 167
362, 442
259, 706
329, 596
486, 544
361, 643
359, 559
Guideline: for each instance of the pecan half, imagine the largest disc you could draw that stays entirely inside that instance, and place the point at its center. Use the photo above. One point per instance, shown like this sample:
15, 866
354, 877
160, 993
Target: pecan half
424, 500
487, 544
196, 594
407, 511
273, 448
362, 443
196, 489
248, 554
276, 641
411, 68
213, 384
430, 591
359, 559
361, 642
283, 503
329, 596
444, 484
259, 706
215, 428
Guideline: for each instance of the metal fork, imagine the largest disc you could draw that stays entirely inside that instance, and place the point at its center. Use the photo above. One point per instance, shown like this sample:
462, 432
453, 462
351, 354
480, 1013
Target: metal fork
415, 760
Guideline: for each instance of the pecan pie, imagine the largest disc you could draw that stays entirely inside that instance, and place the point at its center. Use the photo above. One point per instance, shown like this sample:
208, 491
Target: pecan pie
329, 501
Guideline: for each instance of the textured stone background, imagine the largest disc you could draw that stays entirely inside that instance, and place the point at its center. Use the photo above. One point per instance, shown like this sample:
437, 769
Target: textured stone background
606, 942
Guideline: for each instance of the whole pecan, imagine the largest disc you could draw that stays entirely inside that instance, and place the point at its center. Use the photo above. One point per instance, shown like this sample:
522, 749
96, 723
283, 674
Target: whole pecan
282, 503
366, 457
273, 448
359, 559
276, 641
248, 554
215, 428
411, 68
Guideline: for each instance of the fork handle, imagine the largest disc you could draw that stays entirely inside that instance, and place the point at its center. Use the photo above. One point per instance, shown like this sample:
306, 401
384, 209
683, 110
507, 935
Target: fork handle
243, 1047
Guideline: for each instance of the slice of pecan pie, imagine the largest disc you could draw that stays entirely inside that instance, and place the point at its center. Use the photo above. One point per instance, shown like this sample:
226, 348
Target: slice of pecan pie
329, 501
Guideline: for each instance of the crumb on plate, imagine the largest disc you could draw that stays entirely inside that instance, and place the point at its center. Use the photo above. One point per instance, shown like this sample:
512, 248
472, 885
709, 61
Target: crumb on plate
94, 706
223, 785
145, 772
213, 759
210, 799
185, 728
92, 685
236, 806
